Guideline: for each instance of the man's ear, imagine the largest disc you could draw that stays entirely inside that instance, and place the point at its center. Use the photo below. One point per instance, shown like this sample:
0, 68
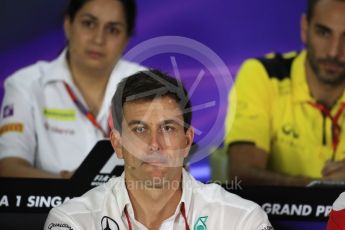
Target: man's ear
115, 139
67, 27
304, 29
189, 140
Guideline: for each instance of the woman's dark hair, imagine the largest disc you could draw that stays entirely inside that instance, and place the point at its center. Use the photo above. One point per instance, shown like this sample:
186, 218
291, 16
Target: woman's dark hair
147, 85
129, 7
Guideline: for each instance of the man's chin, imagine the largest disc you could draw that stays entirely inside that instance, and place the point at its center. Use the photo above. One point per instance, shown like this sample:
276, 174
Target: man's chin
330, 78
154, 170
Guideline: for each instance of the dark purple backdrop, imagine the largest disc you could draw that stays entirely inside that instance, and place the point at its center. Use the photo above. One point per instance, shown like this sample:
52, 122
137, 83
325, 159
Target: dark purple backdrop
233, 29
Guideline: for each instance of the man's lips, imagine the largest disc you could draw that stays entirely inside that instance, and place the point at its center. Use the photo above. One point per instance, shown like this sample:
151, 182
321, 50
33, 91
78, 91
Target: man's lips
155, 163
332, 67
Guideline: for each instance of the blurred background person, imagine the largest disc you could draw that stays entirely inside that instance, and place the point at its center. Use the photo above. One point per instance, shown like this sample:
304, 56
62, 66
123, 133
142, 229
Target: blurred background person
53, 113
289, 123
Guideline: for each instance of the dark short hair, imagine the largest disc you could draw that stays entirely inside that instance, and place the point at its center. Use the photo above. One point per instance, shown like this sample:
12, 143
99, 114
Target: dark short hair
311, 6
147, 85
129, 6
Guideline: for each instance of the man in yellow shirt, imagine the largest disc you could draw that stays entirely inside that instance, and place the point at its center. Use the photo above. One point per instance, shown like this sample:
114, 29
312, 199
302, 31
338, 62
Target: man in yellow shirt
288, 126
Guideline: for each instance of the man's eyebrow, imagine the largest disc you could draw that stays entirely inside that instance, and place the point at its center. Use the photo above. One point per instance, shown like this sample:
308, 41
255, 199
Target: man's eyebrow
323, 27
135, 122
171, 121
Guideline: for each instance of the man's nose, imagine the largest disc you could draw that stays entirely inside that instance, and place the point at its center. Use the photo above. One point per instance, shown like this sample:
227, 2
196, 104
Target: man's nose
336, 47
154, 144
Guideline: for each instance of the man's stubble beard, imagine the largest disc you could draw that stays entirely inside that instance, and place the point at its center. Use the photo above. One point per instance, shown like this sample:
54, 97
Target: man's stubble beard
314, 62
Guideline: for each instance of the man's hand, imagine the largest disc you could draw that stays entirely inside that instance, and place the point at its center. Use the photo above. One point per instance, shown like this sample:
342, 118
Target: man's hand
334, 170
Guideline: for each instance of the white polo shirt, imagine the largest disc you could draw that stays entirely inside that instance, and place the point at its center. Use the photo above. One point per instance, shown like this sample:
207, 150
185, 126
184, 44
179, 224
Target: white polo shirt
39, 121
206, 207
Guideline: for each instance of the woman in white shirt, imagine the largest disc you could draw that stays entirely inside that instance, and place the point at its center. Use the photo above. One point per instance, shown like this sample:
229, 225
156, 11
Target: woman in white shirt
53, 113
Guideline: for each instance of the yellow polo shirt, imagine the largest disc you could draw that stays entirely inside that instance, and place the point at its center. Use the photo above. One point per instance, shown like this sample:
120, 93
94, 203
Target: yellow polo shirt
274, 113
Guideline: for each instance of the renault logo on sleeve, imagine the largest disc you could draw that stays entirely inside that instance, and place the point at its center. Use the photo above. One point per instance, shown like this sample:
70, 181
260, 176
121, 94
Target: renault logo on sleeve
109, 224
288, 129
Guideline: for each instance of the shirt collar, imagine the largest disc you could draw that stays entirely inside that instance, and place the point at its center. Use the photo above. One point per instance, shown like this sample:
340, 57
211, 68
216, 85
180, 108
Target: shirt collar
301, 92
59, 70
123, 201
121, 195
188, 183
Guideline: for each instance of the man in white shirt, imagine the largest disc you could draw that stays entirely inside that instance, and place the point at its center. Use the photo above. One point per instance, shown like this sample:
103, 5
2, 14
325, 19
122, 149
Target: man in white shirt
153, 134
